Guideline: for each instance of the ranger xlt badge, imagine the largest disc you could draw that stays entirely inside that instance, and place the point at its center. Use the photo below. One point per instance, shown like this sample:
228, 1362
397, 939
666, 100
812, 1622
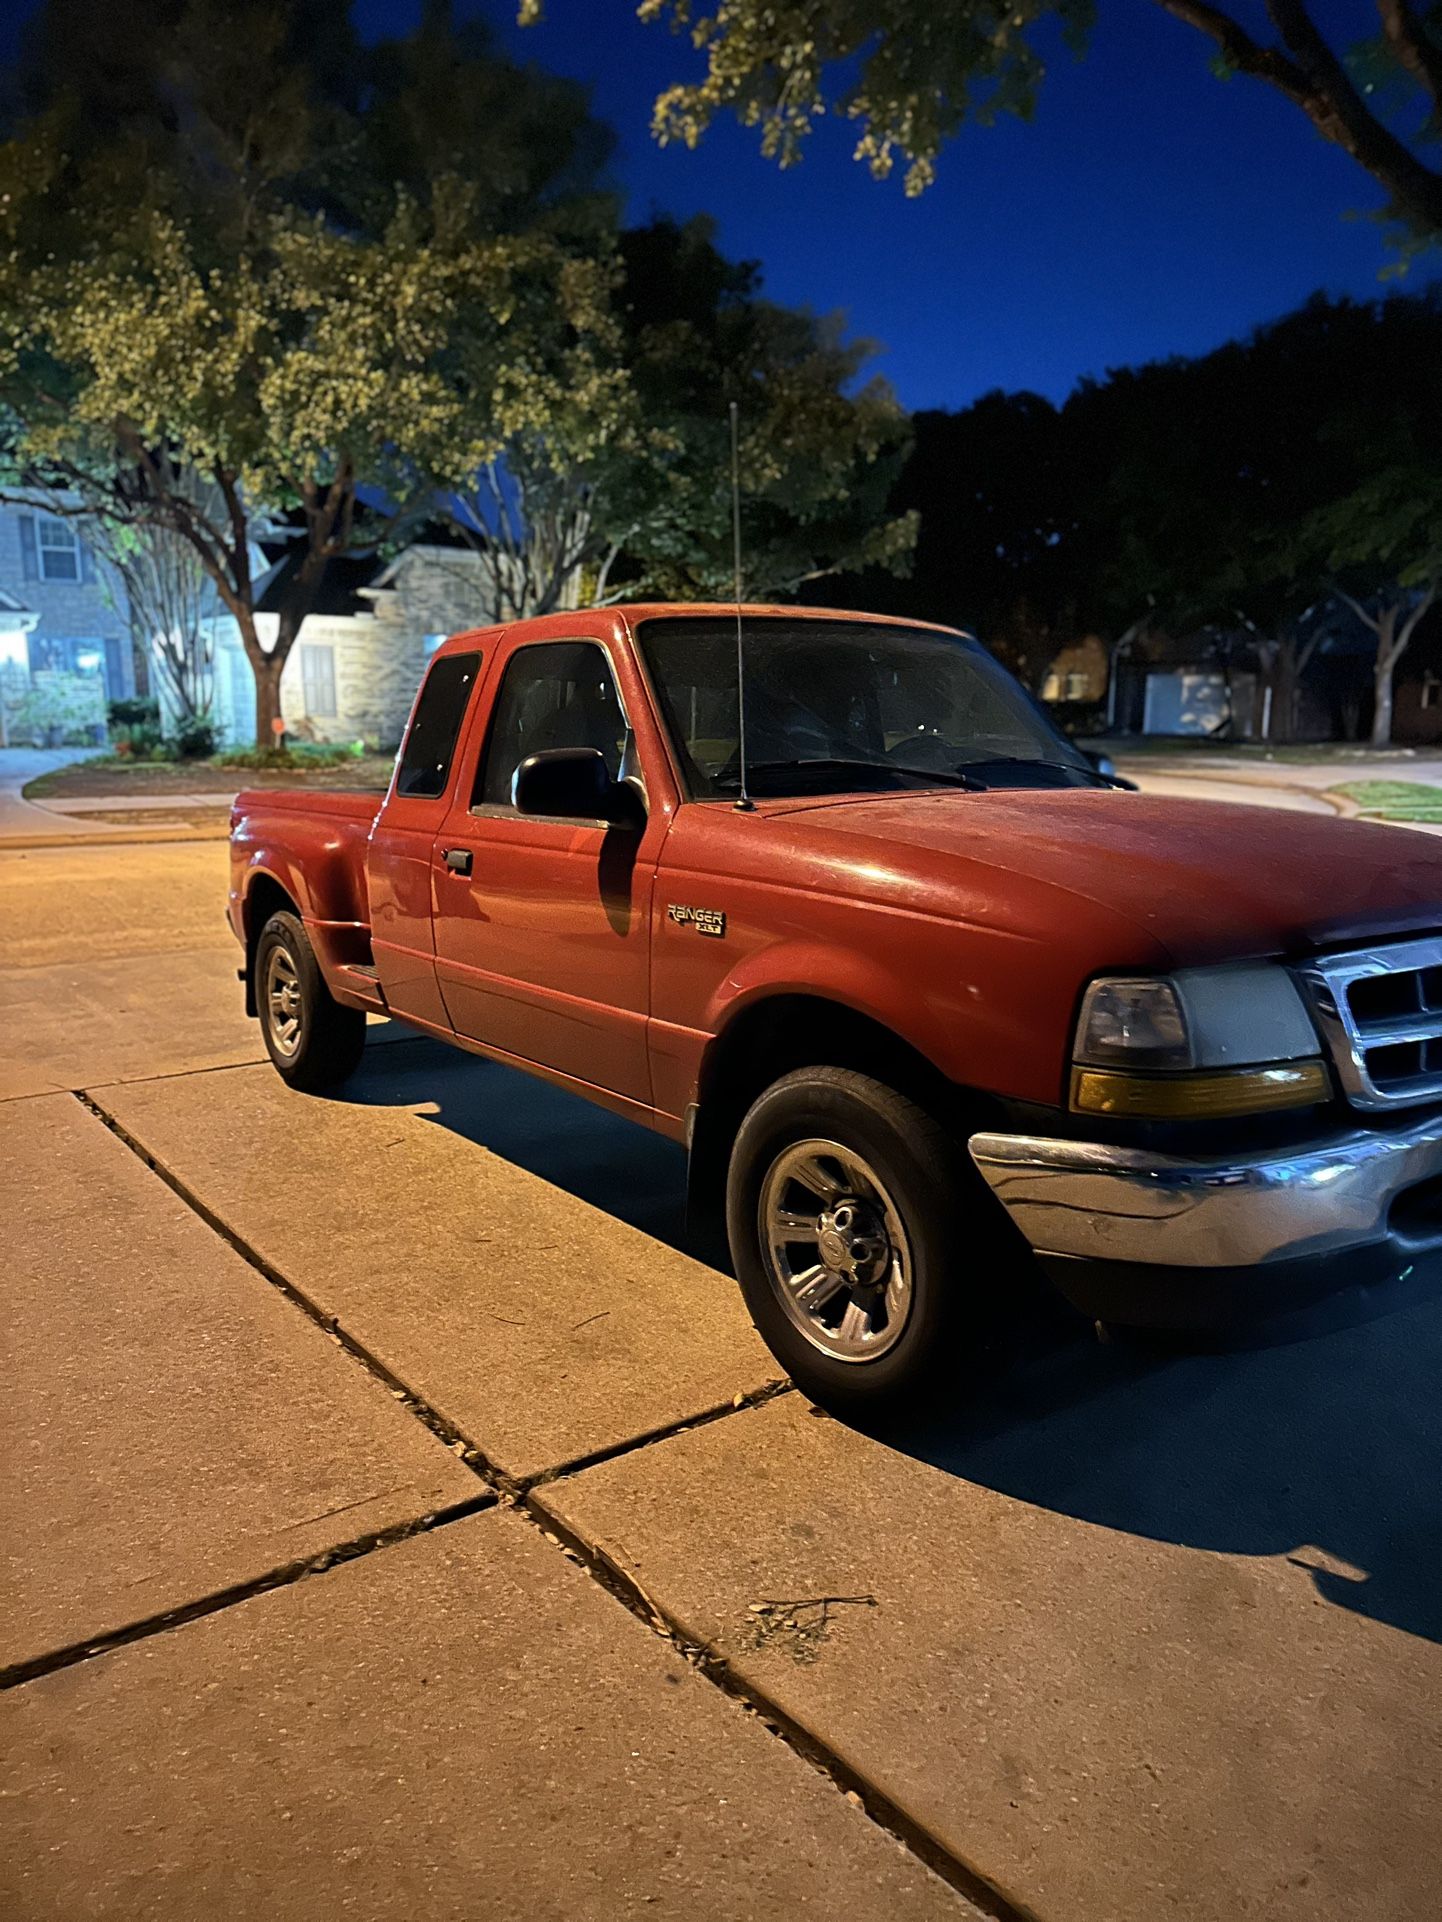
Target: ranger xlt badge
704, 920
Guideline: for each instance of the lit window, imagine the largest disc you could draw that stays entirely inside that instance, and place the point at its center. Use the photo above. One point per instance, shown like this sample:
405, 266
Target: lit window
59, 547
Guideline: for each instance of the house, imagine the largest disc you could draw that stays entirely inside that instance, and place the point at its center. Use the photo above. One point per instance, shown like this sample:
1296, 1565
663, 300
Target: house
355, 668
65, 642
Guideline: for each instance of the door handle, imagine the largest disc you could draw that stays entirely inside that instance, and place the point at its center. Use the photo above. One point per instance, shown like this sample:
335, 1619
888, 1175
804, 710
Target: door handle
458, 860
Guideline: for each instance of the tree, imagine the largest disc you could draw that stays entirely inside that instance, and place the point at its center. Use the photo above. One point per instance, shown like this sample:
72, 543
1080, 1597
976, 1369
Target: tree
1388, 530
171, 602
1244, 488
996, 495
649, 512
238, 246
910, 75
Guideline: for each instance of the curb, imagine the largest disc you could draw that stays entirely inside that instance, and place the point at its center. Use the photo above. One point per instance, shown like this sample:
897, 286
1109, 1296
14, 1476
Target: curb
1340, 804
114, 837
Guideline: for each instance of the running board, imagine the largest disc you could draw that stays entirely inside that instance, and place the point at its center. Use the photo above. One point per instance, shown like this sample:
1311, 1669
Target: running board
361, 978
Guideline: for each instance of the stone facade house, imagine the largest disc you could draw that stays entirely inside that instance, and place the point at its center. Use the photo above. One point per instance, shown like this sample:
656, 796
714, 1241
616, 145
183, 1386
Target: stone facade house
65, 644
355, 668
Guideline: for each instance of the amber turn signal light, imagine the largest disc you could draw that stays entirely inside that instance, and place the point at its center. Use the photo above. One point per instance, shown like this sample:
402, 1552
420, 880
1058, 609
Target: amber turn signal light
1184, 1097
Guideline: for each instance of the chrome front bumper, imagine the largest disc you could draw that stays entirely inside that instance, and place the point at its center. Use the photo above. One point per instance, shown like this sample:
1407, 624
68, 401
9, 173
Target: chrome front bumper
1082, 1201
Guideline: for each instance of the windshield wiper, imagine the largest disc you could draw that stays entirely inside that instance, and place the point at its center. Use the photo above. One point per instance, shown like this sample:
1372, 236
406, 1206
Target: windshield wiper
1056, 767
839, 764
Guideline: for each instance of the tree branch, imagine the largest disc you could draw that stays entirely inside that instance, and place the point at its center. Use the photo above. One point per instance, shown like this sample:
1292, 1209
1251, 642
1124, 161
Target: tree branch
1314, 79
1413, 45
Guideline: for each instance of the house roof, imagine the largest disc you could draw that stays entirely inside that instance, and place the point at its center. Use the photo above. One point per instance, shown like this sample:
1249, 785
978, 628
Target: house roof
340, 587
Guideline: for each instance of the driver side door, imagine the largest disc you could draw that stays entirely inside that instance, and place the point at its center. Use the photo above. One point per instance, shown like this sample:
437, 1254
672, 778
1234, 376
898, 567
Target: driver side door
542, 925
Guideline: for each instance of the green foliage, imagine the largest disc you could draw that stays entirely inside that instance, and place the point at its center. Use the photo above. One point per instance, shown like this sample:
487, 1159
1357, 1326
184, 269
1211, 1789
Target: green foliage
194, 738
914, 74
234, 245
648, 510
135, 728
302, 755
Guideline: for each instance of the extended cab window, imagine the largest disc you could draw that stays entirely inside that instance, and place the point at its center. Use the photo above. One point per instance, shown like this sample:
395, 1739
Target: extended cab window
426, 757
554, 694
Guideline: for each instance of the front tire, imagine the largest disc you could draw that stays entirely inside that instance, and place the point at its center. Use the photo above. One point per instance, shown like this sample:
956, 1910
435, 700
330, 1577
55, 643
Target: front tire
314, 1042
844, 1211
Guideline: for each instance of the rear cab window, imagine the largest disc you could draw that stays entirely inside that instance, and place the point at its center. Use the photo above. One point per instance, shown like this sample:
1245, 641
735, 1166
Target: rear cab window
424, 767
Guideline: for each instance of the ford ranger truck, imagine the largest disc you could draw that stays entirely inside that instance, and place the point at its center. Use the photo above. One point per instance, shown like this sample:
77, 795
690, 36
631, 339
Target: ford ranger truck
926, 993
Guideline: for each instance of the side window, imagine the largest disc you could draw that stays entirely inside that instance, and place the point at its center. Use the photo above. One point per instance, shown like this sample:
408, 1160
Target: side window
425, 764
554, 694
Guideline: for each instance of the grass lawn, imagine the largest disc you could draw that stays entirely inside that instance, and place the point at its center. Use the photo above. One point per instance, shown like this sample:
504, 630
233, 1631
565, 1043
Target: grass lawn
107, 777
1395, 800
1172, 747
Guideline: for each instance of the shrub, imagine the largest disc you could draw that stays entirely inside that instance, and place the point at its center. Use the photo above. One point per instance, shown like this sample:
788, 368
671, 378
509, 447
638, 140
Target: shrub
194, 739
134, 728
301, 754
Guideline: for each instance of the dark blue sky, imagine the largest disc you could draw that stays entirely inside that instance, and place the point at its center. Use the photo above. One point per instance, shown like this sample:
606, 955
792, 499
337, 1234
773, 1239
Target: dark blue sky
1147, 209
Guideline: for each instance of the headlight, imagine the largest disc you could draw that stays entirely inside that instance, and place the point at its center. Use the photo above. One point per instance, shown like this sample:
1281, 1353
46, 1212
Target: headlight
1202, 1041
1136, 1024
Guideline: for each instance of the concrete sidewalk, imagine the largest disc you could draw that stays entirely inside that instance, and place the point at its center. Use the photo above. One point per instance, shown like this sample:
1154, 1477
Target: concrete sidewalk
20, 818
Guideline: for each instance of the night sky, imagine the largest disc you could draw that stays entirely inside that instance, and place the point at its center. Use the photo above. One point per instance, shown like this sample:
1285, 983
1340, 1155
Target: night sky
1148, 209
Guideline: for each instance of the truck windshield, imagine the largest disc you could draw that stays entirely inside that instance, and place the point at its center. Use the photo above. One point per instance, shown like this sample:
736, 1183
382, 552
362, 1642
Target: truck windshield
842, 706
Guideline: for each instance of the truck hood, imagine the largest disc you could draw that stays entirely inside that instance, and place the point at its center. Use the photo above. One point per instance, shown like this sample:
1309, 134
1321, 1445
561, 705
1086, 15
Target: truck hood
1206, 880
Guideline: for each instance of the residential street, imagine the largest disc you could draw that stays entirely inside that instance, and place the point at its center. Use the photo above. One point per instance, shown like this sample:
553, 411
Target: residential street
398, 1522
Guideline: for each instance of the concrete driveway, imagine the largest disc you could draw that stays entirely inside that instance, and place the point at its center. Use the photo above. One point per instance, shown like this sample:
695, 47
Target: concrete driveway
399, 1521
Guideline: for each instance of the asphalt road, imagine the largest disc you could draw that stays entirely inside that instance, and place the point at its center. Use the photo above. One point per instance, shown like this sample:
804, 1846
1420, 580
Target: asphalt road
398, 1521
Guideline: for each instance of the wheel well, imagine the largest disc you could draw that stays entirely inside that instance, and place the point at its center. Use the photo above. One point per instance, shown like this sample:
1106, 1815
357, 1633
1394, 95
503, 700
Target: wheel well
788, 1031
264, 898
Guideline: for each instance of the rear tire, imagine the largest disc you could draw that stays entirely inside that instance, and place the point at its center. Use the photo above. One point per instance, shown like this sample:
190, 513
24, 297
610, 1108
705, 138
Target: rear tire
857, 1228
314, 1042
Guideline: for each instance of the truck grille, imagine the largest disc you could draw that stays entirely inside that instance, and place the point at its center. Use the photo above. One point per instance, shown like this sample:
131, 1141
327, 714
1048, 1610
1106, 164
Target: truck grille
1380, 1010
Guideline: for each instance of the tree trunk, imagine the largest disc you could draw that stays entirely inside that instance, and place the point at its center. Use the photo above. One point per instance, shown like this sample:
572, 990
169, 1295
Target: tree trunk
268, 670
1388, 654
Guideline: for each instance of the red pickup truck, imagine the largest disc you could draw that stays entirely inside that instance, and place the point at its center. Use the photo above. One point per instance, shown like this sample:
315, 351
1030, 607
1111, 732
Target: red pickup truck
926, 994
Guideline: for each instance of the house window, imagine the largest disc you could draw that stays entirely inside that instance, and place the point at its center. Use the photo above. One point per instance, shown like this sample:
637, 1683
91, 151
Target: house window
317, 680
1431, 687
1076, 687
59, 549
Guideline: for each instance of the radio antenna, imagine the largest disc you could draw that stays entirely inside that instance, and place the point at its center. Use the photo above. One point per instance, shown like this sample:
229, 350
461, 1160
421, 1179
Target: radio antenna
743, 800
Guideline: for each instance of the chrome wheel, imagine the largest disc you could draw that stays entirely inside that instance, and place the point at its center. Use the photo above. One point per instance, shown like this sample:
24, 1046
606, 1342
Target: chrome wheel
282, 998
835, 1250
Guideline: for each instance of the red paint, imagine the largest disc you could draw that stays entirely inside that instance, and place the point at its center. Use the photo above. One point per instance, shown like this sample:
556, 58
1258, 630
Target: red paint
967, 923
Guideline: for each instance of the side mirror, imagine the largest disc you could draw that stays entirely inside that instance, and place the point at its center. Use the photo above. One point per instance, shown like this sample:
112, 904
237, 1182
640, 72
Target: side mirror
1106, 768
574, 784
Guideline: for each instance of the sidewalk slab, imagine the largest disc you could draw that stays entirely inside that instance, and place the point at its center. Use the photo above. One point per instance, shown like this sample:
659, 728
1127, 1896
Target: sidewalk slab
82, 1024
140, 804
462, 1727
171, 1424
542, 1328
1194, 1717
